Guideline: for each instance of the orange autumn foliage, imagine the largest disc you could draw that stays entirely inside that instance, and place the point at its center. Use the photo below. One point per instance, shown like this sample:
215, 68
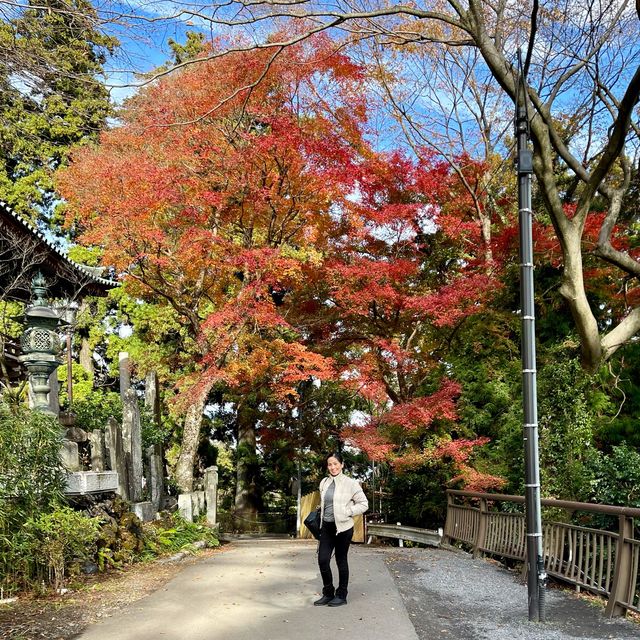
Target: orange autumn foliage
217, 214
286, 246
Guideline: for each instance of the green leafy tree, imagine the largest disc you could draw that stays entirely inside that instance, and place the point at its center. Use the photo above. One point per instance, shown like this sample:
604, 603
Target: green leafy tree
51, 96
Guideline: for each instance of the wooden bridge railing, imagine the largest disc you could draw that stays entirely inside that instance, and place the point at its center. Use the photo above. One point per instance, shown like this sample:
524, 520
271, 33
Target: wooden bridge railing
604, 562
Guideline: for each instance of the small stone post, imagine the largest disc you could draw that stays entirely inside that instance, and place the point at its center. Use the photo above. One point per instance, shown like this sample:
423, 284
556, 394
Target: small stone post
125, 373
155, 467
96, 441
69, 455
155, 482
185, 506
132, 441
211, 493
116, 456
152, 396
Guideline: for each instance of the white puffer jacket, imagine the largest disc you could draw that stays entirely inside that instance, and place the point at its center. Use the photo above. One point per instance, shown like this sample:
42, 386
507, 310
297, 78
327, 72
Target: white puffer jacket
348, 500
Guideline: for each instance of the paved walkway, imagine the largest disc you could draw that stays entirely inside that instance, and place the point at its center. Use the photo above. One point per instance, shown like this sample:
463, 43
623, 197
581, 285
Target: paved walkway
264, 590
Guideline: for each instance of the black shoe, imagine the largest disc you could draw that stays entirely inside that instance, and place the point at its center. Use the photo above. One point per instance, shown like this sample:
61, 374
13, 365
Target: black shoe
337, 602
324, 600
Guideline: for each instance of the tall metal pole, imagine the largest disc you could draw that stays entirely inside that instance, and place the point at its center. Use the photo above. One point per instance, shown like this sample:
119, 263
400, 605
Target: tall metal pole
536, 576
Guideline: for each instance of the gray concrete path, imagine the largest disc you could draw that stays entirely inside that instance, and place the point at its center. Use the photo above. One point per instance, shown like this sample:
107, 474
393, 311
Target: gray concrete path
264, 590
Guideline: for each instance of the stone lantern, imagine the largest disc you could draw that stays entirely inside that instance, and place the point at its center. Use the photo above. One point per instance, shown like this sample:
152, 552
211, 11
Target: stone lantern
41, 345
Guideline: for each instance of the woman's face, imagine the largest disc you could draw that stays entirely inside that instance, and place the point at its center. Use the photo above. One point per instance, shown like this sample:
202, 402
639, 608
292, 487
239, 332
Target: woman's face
334, 466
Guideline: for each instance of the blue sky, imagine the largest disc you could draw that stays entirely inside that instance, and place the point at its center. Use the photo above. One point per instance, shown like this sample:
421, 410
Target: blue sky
143, 46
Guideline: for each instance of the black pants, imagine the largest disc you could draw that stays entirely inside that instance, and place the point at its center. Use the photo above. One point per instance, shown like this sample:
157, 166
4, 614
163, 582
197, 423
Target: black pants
330, 541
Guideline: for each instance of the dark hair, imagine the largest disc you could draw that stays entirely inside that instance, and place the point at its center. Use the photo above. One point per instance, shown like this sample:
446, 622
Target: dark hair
337, 455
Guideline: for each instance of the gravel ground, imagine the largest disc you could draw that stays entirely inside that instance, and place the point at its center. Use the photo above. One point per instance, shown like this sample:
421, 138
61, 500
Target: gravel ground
449, 594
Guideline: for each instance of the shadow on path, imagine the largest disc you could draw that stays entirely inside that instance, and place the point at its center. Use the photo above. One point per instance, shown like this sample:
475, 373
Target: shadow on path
264, 590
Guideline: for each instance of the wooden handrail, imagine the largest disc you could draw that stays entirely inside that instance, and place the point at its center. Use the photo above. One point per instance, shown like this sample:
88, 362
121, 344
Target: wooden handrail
580, 555
607, 509
400, 532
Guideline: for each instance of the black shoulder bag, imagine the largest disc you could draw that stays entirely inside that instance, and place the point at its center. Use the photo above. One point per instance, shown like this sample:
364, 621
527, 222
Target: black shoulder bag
313, 522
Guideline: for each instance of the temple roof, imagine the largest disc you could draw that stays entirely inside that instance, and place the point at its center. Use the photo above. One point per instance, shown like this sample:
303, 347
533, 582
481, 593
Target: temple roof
24, 251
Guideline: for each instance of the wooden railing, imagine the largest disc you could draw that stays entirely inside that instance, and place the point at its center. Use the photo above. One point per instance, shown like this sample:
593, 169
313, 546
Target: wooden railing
400, 532
604, 562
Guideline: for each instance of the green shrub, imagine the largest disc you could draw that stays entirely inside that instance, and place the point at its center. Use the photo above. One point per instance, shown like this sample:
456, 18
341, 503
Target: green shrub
60, 542
617, 478
173, 533
31, 483
616, 482
31, 475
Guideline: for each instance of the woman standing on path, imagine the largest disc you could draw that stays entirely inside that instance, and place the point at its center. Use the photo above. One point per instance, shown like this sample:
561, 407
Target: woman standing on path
341, 498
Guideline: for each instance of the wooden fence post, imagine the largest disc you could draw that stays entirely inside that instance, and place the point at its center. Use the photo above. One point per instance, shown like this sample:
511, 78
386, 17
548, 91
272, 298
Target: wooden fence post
481, 533
448, 523
623, 588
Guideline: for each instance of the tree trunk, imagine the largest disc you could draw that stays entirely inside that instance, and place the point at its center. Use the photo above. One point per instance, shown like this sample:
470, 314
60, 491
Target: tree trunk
573, 291
247, 500
190, 441
86, 357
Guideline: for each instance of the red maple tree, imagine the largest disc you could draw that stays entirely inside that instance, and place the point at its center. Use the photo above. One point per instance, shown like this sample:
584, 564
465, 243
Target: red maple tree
239, 195
210, 196
401, 275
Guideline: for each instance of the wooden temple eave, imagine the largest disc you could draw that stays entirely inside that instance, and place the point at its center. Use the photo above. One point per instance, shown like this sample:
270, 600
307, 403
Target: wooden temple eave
24, 251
